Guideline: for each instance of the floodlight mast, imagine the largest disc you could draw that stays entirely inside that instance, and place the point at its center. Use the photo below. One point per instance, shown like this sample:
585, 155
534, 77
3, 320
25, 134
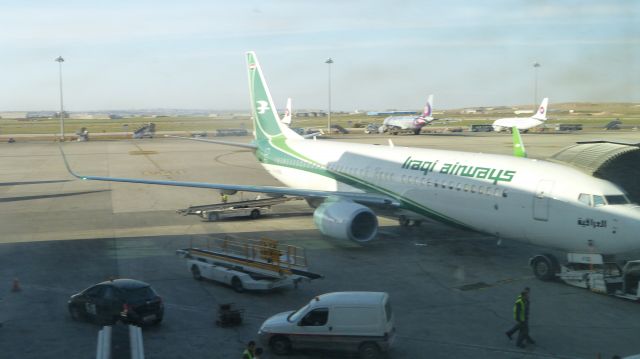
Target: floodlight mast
329, 61
536, 65
60, 60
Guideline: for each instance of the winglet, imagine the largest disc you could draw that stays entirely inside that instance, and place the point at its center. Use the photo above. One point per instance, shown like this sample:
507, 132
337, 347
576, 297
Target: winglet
518, 145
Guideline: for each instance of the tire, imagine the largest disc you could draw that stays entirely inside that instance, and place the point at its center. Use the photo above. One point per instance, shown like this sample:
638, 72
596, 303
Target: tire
255, 214
236, 283
195, 272
369, 350
404, 221
76, 313
280, 345
544, 267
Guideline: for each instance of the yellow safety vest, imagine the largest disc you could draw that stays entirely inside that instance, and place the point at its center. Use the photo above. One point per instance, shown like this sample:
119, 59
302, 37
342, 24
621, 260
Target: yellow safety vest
247, 354
519, 316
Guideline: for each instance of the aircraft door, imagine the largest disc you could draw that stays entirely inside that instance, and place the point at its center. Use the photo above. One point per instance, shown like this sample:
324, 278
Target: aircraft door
541, 200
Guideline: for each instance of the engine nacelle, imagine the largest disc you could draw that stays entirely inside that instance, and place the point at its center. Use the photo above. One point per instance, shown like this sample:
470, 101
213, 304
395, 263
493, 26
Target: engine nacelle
346, 220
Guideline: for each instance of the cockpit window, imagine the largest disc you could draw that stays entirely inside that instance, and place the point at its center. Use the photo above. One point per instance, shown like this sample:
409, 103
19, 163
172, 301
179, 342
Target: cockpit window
598, 201
585, 198
617, 199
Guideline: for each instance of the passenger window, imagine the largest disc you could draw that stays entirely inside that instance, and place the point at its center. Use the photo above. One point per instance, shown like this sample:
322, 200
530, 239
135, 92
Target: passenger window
466, 188
473, 189
450, 185
598, 201
504, 193
315, 318
585, 198
459, 186
481, 189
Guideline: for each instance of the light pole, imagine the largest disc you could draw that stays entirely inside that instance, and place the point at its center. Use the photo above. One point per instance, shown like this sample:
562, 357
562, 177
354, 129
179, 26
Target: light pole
60, 60
329, 62
536, 65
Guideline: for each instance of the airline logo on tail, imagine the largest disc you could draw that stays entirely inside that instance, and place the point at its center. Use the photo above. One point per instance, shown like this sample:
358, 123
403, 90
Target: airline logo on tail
428, 108
542, 110
263, 106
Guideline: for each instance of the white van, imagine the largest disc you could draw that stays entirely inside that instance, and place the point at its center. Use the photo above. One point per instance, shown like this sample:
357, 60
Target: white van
353, 321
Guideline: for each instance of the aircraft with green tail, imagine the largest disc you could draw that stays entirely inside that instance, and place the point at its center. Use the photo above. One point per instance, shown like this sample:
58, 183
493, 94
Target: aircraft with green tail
509, 197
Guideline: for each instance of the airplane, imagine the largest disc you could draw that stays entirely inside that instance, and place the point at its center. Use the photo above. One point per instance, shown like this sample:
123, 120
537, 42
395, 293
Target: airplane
523, 123
509, 197
286, 119
396, 124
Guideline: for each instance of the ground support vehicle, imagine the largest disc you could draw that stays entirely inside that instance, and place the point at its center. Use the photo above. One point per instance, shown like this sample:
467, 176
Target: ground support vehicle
590, 271
251, 208
359, 322
249, 264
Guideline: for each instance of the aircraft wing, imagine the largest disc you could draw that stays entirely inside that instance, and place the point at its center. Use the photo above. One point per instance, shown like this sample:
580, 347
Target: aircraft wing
364, 198
220, 142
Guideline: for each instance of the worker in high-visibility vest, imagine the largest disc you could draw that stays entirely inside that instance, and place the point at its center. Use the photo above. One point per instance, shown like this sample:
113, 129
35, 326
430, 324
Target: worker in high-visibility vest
224, 198
521, 315
249, 351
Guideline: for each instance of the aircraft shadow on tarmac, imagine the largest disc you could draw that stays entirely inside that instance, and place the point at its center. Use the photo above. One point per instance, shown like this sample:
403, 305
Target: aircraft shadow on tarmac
44, 196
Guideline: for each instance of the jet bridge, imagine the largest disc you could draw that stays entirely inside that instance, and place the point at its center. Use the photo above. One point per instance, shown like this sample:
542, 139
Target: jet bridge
617, 162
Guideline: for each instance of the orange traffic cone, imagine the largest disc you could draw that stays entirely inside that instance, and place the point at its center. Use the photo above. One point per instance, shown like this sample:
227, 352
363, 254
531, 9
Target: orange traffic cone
16, 285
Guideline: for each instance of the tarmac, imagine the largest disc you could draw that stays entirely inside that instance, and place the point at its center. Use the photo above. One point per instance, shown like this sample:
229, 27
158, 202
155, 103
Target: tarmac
452, 291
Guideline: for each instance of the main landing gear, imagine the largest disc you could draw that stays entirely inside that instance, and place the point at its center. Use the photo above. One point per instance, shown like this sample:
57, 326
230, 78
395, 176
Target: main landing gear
404, 221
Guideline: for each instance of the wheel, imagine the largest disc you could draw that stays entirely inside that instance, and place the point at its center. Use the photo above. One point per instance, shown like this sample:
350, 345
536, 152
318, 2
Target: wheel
280, 345
544, 267
416, 132
195, 271
404, 221
369, 350
254, 214
236, 283
75, 313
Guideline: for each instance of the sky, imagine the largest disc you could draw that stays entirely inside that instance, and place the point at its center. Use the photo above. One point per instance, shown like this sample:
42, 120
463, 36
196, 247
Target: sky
127, 55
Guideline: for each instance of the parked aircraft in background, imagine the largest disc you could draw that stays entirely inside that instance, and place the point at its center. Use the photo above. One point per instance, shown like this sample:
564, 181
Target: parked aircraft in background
509, 197
523, 123
286, 119
399, 124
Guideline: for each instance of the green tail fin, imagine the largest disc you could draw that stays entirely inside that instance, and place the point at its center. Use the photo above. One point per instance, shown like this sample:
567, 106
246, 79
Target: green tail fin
266, 120
518, 145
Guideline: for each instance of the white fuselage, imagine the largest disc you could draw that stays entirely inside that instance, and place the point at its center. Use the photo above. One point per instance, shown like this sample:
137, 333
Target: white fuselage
522, 123
528, 200
406, 122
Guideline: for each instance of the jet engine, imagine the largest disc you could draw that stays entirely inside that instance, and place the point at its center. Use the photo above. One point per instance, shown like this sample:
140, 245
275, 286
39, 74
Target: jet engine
346, 220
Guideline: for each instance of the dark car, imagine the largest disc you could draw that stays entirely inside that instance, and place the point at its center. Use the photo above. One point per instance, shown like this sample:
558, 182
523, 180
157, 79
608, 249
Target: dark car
128, 300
